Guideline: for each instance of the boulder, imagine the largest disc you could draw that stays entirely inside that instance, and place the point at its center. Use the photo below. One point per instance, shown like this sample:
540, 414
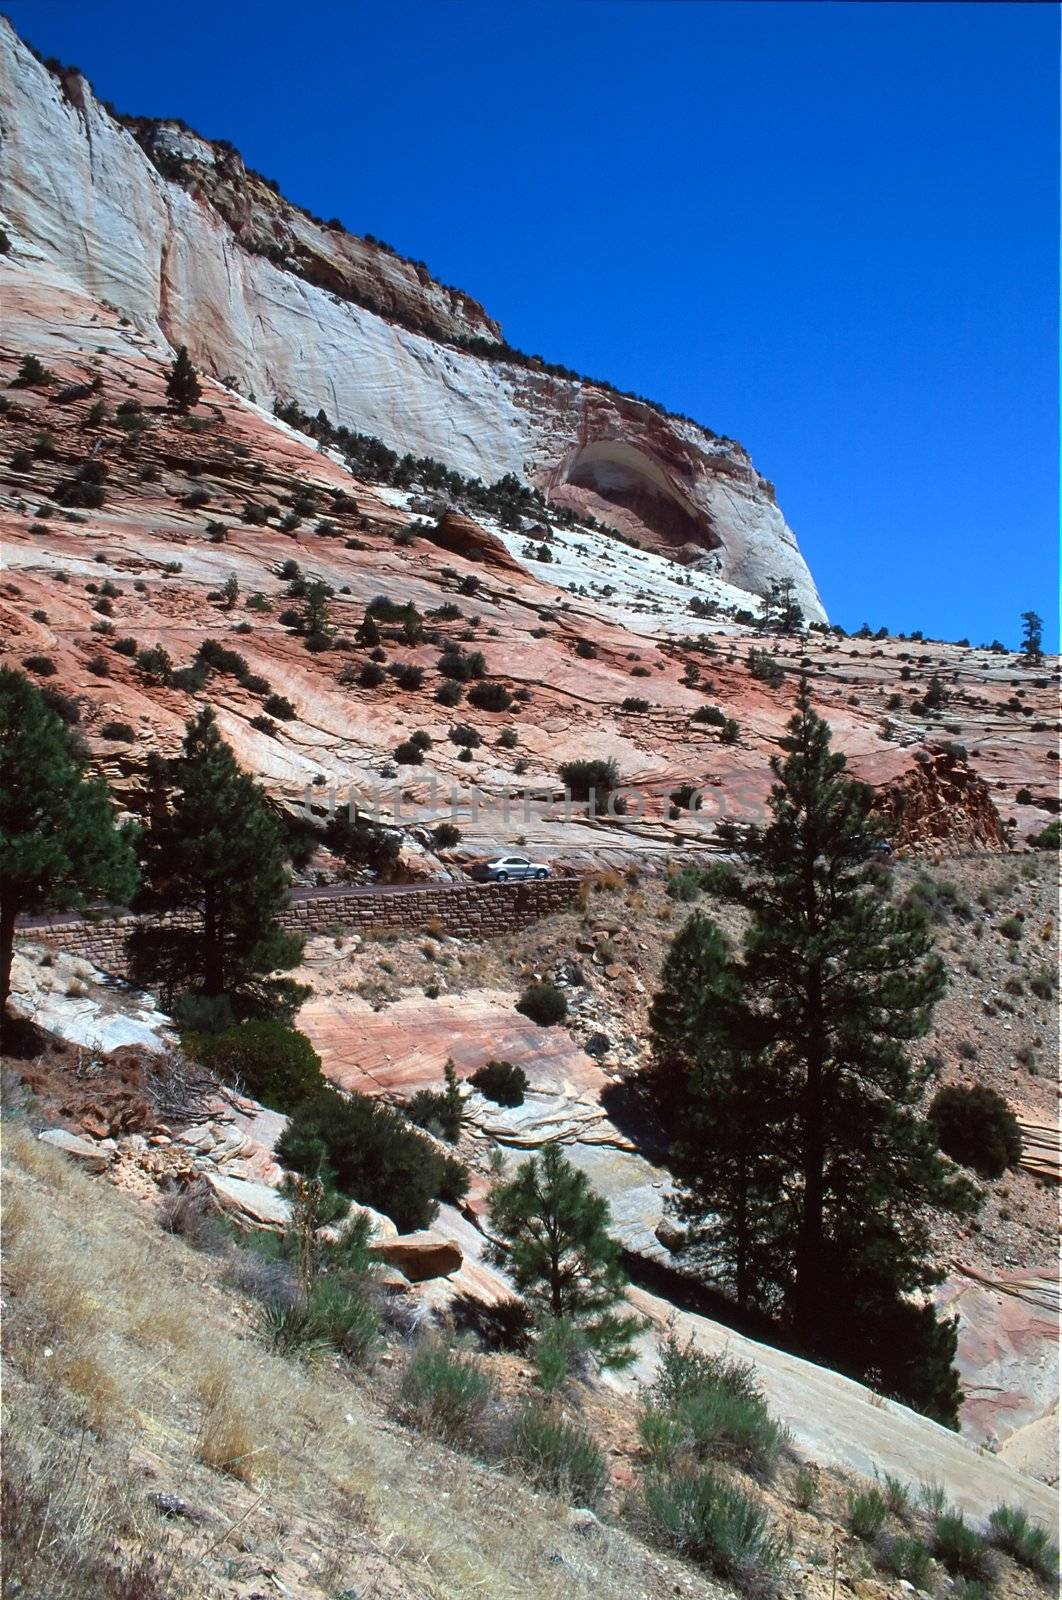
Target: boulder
255, 1205
93, 1155
420, 1255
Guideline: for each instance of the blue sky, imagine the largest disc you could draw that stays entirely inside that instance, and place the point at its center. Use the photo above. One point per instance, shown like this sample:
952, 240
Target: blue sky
827, 230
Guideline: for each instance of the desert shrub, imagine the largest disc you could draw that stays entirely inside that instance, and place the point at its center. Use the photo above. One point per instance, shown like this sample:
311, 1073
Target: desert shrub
685, 885
449, 692
440, 1111
897, 1495
408, 676
1049, 838
369, 1152
190, 679
490, 697
961, 1549
421, 738
558, 1457
121, 732
155, 663
585, 778
460, 665
1010, 1529
278, 706
1044, 983
501, 1082
906, 1557
634, 704
371, 675
362, 843
446, 835
264, 725
867, 1512
276, 1064
708, 1521
254, 683
711, 715
126, 646
544, 1003
717, 1407
32, 374
444, 1393
805, 1487
463, 734
42, 666
976, 1127
765, 668
1012, 928
219, 659
408, 754
585, 648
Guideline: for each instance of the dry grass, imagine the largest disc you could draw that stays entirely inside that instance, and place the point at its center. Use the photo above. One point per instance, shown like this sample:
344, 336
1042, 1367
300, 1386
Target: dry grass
130, 1371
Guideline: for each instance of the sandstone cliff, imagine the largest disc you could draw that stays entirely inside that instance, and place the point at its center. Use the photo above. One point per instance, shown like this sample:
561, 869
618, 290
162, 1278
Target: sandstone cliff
176, 233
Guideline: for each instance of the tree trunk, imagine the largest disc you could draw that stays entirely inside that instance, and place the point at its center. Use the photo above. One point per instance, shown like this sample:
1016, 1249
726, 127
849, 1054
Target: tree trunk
213, 948
7, 945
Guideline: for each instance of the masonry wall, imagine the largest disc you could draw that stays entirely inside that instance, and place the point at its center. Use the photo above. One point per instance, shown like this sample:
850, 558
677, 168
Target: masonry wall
466, 909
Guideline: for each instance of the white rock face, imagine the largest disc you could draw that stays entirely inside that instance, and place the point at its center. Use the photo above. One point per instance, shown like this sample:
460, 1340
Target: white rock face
80, 197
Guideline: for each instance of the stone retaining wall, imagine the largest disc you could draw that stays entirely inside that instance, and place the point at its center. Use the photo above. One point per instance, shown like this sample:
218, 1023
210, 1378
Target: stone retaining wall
478, 911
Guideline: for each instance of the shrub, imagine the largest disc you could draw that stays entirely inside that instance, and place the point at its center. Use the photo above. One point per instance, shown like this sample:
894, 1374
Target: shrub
278, 706
490, 697
371, 676
633, 704
556, 1456
126, 646
460, 665
764, 667
421, 738
1049, 838
867, 1512
544, 1003
362, 843
711, 715
501, 1082
444, 1393
717, 1407
805, 1487
409, 677
976, 1127
897, 1495
685, 885
508, 739
155, 663
43, 666
1010, 1529
119, 731
408, 754
961, 1549
1012, 928
190, 679
445, 836
32, 374
585, 778
369, 1152
263, 725
441, 1112
449, 692
276, 1064
908, 1558
709, 1522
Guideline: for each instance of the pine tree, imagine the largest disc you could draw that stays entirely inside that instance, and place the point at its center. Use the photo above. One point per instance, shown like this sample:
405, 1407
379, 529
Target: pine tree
1032, 637
780, 610
793, 1054
230, 591
59, 845
182, 386
212, 842
554, 1242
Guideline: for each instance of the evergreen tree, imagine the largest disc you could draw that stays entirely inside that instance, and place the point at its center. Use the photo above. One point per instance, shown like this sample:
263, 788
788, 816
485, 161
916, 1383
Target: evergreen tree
182, 385
555, 1244
59, 846
315, 610
213, 843
1032, 640
785, 1072
780, 610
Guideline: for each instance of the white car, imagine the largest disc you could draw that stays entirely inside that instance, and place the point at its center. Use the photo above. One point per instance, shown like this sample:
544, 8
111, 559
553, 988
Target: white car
504, 868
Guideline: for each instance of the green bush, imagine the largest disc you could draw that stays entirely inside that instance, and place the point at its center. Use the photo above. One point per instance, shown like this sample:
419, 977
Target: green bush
556, 1456
710, 1522
445, 1394
442, 1113
634, 703
273, 1063
490, 697
501, 1082
805, 1487
1049, 838
961, 1549
370, 1153
461, 666
1012, 928
906, 1557
544, 1003
1010, 1529
279, 707
585, 778
121, 732
43, 666
685, 885
408, 754
867, 1513
717, 1407
976, 1127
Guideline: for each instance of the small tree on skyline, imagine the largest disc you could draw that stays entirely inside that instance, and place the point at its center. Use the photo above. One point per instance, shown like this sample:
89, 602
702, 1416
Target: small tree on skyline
1032, 636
